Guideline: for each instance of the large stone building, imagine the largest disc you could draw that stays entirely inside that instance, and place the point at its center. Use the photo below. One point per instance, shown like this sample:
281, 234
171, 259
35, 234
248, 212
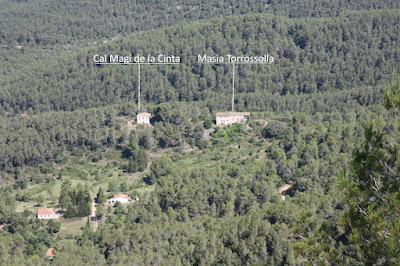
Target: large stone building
143, 118
231, 118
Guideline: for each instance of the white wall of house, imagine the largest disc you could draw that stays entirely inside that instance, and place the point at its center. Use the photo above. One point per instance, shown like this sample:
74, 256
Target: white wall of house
230, 119
122, 200
143, 120
46, 216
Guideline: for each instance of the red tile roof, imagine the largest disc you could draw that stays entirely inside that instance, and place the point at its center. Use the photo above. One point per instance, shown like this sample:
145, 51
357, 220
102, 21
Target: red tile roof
233, 114
45, 211
121, 196
144, 114
50, 252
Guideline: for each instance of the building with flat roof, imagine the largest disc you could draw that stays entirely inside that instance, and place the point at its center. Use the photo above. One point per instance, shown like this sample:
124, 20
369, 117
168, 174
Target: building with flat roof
143, 118
231, 118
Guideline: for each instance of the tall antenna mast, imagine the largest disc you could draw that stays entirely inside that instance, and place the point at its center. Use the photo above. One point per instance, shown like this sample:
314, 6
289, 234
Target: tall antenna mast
233, 87
138, 87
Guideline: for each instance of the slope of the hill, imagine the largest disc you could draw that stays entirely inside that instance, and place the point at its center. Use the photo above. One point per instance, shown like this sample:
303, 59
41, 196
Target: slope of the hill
214, 205
321, 60
53, 22
214, 190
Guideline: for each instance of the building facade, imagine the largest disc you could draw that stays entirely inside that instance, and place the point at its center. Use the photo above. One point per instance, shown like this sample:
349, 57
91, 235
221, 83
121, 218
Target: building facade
231, 118
46, 213
143, 118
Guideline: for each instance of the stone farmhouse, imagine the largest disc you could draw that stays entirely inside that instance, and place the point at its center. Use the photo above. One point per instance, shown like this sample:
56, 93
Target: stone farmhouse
231, 118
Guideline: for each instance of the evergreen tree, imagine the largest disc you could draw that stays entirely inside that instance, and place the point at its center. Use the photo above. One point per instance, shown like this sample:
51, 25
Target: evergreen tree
101, 197
132, 165
371, 221
100, 210
80, 204
160, 167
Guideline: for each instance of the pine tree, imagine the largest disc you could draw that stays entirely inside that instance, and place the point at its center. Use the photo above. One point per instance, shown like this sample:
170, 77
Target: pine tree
132, 166
101, 197
372, 220
391, 96
100, 210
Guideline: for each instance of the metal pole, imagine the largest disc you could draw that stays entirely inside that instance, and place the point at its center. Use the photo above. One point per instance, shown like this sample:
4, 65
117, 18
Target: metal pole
138, 87
233, 87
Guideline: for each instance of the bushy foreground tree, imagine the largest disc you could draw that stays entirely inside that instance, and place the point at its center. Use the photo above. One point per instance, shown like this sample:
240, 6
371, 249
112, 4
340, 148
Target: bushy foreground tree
371, 222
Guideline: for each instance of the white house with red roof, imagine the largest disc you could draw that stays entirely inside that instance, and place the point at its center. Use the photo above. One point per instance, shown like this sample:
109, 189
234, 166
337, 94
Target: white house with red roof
46, 213
119, 198
143, 118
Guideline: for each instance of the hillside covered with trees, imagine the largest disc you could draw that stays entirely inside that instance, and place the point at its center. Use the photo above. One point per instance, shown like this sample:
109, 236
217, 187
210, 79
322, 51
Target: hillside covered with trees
315, 71
311, 178
318, 59
49, 23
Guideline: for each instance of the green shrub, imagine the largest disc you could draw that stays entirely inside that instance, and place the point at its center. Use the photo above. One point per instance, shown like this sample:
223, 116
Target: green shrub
274, 129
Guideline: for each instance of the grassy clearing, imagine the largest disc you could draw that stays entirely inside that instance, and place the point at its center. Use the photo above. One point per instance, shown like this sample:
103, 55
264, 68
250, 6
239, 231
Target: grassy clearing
227, 150
106, 173
71, 226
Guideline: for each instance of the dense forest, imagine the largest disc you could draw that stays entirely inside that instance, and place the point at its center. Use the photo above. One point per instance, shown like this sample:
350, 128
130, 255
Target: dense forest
49, 23
315, 71
311, 178
320, 60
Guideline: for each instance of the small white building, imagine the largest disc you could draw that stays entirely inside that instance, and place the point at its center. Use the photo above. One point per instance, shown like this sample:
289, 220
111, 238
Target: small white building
46, 213
143, 118
231, 118
119, 198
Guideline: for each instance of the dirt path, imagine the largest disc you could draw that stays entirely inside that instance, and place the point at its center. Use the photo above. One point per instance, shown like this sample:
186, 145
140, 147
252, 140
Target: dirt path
282, 190
93, 217
207, 134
